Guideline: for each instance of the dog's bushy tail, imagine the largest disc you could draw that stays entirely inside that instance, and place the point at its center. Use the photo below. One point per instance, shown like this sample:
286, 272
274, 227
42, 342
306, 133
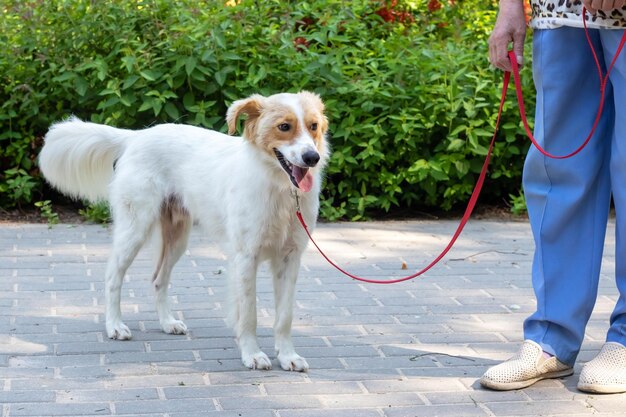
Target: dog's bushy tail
78, 157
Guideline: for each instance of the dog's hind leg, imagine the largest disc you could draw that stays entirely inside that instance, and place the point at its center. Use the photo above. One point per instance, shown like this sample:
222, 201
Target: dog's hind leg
129, 234
242, 270
175, 228
285, 273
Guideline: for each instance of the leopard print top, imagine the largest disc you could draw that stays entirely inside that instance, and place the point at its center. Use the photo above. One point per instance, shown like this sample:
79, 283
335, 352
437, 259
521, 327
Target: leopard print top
550, 14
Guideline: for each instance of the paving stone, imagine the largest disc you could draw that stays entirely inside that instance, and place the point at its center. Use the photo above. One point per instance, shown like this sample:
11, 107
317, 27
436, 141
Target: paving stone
111, 395
473, 410
54, 409
607, 403
538, 408
213, 391
30, 396
164, 406
381, 400
325, 388
99, 347
49, 382
271, 402
237, 413
330, 413
53, 361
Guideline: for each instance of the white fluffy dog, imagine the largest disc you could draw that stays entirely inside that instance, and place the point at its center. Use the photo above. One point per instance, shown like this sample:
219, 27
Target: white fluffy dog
163, 179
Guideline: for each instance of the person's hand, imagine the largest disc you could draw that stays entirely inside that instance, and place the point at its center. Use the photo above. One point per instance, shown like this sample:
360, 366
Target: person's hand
510, 28
604, 5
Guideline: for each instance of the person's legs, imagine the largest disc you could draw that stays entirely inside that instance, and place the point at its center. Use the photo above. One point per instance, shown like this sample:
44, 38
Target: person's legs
568, 204
567, 199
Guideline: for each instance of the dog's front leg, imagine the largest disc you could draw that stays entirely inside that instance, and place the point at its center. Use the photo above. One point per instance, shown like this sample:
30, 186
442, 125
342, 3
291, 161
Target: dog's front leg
243, 291
285, 274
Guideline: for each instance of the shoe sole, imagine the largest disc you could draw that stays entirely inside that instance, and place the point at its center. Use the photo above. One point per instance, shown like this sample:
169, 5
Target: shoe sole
602, 388
509, 386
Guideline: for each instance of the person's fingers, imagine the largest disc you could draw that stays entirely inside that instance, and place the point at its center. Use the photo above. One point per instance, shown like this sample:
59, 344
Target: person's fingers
492, 54
605, 5
587, 5
498, 50
597, 4
518, 46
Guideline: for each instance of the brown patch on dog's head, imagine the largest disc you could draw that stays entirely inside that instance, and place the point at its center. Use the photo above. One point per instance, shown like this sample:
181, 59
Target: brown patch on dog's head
277, 125
314, 114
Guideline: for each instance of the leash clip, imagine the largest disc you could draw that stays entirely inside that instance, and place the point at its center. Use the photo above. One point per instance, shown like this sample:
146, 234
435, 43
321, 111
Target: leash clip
297, 198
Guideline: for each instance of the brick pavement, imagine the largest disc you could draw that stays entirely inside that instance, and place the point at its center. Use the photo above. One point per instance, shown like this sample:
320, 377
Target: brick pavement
411, 349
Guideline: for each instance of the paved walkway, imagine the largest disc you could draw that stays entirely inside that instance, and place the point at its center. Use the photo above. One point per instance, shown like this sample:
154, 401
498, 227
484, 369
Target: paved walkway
411, 349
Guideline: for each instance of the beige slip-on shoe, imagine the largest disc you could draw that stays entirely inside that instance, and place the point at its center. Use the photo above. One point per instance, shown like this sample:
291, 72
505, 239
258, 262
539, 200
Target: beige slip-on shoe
606, 373
524, 369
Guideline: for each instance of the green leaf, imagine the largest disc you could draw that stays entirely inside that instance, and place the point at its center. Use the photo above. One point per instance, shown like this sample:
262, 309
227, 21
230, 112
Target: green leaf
81, 86
220, 76
218, 36
129, 63
147, 104
130, 81
150, 75
456, 144
190, 65
172, 111
65, 76
189, 100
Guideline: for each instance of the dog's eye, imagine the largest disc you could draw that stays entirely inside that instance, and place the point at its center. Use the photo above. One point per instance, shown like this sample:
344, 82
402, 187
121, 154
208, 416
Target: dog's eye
284, 127
314, 126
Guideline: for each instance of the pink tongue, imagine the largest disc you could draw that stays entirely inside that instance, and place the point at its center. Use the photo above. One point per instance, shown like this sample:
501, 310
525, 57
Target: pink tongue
303, 178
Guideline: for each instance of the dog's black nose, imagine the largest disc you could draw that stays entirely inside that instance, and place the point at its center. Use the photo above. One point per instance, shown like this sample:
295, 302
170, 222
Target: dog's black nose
310, 158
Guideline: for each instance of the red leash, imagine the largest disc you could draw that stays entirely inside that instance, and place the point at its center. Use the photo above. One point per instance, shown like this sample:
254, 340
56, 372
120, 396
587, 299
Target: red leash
483, 172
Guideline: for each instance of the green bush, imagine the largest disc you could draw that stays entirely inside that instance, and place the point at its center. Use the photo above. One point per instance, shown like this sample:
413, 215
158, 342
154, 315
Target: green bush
409, 92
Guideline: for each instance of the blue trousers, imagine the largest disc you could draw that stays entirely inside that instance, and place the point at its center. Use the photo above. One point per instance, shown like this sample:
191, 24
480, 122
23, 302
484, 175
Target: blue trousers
569, 200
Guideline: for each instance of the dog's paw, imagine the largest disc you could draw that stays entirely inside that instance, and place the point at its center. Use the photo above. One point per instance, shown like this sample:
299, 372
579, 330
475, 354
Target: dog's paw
118, 331
258, 360
174, 327
293, 362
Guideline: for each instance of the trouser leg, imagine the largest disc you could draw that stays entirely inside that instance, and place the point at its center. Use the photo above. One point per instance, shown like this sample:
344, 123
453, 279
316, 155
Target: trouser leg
568, 200
610, 40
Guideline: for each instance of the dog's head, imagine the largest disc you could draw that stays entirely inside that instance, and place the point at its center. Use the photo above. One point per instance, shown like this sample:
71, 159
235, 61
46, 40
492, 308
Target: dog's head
291, 128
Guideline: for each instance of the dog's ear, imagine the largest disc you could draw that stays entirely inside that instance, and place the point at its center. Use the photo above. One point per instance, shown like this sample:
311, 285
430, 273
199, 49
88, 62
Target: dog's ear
250, 106
313, 99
